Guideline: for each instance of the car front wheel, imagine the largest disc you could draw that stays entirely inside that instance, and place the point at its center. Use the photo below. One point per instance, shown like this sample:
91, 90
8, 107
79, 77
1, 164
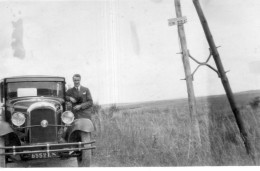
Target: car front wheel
84, 159
2, 157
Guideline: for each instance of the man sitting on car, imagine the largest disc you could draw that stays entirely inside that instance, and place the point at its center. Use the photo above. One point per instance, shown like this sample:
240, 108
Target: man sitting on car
80, 98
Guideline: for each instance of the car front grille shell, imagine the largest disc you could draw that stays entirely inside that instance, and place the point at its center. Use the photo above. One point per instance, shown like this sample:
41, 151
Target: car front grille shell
39, 134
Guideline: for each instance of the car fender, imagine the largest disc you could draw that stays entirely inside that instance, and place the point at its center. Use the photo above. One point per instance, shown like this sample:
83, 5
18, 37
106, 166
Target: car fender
81, 124
5, 128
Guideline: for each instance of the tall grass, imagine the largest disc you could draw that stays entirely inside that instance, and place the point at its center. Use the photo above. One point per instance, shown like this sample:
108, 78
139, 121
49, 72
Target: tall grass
158, 135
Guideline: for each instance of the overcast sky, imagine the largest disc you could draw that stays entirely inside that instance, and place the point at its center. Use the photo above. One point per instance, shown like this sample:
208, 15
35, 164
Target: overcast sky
125, 50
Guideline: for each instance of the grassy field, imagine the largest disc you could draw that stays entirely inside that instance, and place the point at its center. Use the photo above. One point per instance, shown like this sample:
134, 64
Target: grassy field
157, 133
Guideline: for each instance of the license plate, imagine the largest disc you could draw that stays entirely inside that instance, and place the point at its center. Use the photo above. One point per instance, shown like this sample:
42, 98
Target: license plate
43, 155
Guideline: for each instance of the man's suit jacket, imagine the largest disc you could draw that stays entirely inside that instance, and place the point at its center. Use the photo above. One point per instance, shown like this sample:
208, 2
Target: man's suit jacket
83, 98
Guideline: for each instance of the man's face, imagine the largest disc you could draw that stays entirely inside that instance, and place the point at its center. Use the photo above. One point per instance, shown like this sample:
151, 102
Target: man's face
76, 81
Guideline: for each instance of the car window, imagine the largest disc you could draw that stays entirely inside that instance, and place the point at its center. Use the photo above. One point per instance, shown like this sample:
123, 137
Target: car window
24, 89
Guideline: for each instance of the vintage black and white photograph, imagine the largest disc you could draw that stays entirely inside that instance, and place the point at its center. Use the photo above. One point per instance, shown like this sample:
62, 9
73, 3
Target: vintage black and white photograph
129, 83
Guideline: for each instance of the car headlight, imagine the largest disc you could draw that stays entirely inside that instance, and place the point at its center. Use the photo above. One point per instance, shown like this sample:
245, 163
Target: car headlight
18, 119
67, 117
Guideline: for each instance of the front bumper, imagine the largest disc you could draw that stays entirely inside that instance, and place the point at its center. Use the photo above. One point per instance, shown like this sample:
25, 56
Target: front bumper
46, 148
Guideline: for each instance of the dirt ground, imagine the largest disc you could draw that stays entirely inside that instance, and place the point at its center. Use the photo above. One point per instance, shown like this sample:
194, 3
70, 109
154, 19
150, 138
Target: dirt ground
72, 162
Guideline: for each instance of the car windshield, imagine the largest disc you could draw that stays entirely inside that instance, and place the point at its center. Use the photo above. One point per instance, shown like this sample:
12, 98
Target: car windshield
25, 89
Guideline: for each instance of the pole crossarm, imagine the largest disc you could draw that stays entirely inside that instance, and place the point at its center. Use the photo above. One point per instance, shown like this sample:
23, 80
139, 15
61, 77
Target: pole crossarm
203, 64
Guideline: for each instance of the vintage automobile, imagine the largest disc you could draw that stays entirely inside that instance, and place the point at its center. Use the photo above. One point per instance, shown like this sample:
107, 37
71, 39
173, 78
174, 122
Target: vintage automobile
36, 123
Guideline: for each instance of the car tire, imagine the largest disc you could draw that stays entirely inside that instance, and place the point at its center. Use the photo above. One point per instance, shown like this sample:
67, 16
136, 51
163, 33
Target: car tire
2, 157
84, 159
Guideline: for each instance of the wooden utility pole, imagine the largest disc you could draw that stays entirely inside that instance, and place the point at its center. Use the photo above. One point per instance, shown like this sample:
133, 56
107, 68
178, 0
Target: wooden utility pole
195, 141
225, 82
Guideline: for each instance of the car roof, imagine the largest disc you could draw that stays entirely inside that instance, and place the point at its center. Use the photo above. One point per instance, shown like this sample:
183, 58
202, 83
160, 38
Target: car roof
25, 78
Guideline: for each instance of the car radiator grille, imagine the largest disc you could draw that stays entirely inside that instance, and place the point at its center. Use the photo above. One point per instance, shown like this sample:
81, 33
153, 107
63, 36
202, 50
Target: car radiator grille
39, 134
